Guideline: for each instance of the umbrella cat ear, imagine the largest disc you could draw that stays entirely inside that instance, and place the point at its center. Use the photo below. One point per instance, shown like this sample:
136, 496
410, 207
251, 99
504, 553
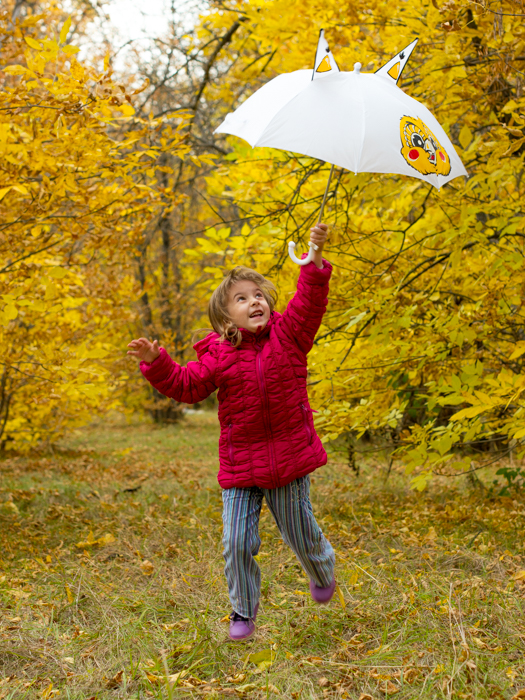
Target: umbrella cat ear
395, 66
324, 61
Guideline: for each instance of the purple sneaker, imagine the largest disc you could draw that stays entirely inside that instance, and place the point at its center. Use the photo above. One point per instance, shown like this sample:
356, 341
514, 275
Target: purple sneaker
322, 595
242, 628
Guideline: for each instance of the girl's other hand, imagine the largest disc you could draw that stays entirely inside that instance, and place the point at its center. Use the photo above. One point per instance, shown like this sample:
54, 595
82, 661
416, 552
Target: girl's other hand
143, 350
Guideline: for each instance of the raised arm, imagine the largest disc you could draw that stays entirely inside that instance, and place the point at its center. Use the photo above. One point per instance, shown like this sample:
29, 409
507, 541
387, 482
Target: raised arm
305, 311
189, 384
306, 308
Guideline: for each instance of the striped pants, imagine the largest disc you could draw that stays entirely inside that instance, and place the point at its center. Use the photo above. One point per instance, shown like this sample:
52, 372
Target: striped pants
291, 507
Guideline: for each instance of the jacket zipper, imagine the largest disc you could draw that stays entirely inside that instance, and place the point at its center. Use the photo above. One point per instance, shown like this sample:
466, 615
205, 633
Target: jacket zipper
304, 411
266, 413
230, 444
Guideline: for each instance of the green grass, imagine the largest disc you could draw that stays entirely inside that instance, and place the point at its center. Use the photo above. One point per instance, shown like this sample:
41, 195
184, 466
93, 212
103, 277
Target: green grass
430, 604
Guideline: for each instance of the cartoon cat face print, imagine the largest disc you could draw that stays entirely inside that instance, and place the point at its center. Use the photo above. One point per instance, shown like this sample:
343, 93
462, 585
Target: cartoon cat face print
421, 149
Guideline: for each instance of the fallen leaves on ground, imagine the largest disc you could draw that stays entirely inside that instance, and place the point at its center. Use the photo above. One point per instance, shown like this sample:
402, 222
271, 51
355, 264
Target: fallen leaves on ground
147, 567
262, 659
91, 541
142, 610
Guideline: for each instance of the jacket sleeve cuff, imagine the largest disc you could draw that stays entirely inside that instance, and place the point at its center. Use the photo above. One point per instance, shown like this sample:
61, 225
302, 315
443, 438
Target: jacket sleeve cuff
313, 275
151, 369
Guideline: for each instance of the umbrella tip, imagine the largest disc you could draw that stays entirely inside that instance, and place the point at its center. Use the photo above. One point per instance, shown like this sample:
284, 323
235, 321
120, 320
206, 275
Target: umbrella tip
357, 67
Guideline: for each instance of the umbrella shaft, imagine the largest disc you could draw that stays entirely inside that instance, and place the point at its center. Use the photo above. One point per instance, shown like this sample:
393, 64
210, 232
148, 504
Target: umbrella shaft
326, 194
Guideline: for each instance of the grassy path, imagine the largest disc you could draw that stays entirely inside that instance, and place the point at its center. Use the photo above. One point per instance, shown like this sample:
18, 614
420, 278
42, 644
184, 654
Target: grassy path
111, 581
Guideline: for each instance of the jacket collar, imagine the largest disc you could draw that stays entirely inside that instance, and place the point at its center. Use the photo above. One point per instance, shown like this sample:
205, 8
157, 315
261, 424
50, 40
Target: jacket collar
250, 337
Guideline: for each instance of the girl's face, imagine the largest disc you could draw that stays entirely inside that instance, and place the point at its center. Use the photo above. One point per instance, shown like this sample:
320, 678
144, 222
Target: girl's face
247, 306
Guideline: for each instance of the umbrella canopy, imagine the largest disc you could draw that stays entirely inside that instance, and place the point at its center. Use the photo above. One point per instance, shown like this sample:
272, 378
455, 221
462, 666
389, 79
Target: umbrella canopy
359, 121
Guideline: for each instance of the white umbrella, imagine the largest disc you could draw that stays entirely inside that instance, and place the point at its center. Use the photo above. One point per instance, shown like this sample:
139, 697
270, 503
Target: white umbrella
359, 121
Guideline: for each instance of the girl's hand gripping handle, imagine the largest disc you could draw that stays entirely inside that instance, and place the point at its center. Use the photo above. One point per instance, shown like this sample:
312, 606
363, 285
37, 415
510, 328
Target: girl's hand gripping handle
143, 350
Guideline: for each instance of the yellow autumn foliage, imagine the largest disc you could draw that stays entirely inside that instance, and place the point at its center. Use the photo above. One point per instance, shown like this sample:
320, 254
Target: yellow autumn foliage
423, 342
77, 190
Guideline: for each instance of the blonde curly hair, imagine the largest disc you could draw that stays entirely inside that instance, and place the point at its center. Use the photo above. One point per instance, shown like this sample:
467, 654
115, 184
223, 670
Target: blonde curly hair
218, 305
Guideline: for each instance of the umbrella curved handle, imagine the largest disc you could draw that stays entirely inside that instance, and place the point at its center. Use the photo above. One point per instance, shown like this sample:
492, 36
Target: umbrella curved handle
298, 261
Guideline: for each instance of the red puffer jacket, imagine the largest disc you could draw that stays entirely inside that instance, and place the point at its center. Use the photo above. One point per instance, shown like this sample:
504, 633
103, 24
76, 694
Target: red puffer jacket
267, 432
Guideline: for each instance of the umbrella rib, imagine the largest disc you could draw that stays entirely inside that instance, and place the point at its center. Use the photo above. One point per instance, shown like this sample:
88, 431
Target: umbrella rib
358, 165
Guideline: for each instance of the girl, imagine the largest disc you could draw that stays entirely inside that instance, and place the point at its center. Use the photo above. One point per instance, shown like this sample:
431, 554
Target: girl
268, 445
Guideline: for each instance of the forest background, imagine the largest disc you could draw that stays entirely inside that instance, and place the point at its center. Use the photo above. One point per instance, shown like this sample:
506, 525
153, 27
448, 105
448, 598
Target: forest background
120, 211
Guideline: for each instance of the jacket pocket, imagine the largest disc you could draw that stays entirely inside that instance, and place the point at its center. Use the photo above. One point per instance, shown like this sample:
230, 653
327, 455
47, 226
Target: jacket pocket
230, 445
306, 422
